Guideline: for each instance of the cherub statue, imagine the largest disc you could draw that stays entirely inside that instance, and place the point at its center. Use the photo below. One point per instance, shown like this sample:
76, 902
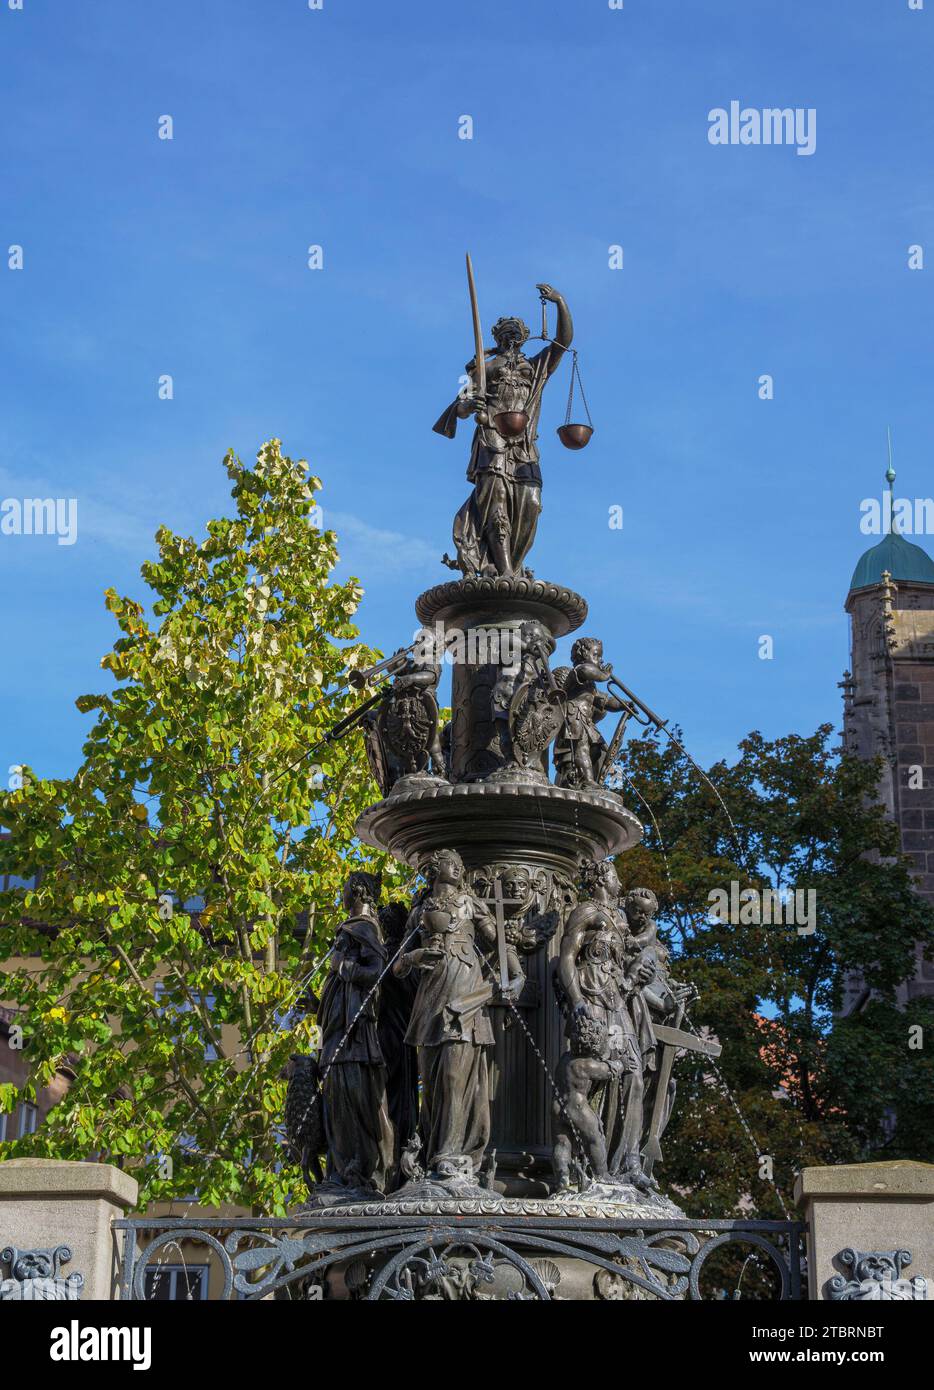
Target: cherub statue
532, 709
579, 746
666, 999
522, 676
586, 1065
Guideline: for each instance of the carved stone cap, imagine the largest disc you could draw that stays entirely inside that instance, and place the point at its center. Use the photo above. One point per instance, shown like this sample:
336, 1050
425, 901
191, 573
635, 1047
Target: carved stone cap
62, 1178
560, 609
897, 1178
628, 1205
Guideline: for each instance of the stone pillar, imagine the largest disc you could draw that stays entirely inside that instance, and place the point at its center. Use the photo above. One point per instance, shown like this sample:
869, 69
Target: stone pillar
871, 1230
48, 1203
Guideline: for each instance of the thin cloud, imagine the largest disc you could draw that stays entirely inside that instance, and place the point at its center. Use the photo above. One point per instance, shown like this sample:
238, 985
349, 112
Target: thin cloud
370, 550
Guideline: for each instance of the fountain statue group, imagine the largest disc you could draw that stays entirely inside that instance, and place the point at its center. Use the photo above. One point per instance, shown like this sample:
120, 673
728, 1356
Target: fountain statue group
531, 707
403, 1071
520, 956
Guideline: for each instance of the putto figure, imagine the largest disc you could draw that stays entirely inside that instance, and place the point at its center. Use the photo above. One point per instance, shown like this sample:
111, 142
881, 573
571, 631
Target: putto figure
586, 1065
580, 747
450, 1022
495, 528
353, 1072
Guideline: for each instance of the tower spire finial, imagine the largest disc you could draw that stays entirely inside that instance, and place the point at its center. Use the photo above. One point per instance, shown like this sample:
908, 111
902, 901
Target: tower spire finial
890, 479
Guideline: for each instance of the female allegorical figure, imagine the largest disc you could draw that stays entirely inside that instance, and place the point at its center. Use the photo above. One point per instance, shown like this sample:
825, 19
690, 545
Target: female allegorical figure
495, 528
450, 1023
356, 1113
595, 980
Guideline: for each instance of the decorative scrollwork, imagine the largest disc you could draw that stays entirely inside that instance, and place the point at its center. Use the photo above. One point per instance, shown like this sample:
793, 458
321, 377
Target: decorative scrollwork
480, 1257
536, 900
37, 1275
876, 1277
175, 1234
744, 1237
477, 1270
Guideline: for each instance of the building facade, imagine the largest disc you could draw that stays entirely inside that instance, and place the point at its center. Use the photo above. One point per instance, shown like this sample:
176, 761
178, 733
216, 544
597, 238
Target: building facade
889, 702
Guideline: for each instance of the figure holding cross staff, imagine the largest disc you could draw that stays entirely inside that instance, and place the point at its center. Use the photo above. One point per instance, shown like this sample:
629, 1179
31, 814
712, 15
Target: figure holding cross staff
510, 975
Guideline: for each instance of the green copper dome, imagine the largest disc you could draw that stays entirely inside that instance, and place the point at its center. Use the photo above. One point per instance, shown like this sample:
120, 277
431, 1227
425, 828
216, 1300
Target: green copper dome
904, 561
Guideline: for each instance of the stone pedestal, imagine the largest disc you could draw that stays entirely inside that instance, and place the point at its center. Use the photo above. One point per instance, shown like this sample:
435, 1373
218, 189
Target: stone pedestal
863, 1219
49, 1203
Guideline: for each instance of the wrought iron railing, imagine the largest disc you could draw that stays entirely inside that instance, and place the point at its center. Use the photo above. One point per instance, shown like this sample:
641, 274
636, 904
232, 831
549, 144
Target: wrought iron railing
470, 1257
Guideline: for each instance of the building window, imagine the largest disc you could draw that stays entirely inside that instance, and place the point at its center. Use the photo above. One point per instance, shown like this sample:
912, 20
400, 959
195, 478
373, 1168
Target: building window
19, 1122
178, 1283
28, 1120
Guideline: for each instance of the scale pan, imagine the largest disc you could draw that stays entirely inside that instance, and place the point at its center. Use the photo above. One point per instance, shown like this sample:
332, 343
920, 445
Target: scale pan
575, 436
511, 422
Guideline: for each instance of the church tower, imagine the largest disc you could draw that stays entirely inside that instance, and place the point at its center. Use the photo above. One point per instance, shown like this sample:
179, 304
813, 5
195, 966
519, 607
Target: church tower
888, 693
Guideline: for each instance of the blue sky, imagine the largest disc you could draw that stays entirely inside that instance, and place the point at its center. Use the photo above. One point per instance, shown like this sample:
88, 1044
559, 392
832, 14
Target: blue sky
339, 127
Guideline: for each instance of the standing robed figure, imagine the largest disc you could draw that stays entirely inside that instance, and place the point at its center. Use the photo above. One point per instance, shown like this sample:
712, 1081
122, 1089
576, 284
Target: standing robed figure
351, 1061
450, 1022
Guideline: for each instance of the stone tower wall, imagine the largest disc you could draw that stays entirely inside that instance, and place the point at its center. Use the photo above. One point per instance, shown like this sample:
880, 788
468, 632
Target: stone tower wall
889, 712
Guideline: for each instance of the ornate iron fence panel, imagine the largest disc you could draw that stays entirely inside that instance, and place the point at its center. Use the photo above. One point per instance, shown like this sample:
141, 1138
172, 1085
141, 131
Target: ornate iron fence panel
468, 1258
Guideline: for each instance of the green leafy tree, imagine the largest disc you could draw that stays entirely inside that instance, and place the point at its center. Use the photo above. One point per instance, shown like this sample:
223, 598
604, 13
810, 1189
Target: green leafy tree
815, 1080
201, 785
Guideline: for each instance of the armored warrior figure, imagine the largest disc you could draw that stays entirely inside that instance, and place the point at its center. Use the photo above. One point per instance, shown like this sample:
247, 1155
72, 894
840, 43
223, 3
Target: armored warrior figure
579, 745
401, 736
353, 1072
526, 706
495, 528
663, 1000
